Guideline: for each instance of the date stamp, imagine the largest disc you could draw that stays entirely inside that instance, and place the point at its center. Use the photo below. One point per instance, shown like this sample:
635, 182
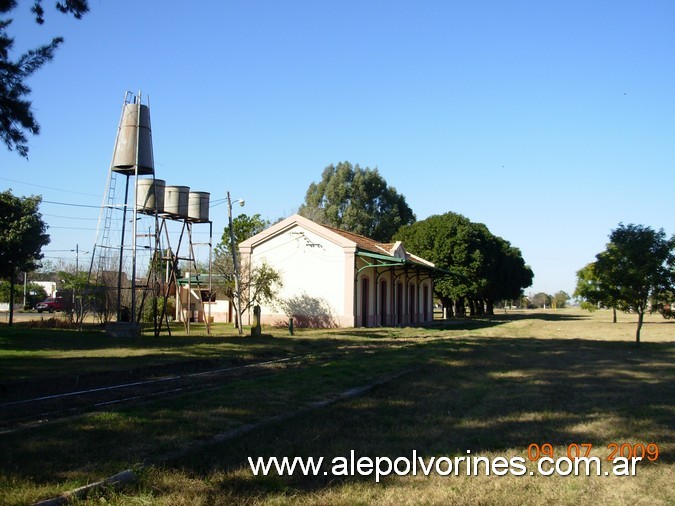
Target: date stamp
648, 451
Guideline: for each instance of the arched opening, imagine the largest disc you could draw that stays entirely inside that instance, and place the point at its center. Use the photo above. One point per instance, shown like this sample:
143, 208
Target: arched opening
365, 296
412, 306
399, 303
383, 303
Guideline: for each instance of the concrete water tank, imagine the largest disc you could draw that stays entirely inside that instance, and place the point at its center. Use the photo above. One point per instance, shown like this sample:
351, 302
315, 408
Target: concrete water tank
150, 196
134, 141
176, 201
198, 207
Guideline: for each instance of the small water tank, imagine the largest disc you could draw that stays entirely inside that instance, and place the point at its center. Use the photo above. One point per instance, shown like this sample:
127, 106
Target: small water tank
134, 141
176, 201
150, 196
198, 207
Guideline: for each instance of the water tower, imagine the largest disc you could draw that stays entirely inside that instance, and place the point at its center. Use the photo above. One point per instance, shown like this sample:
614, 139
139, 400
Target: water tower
133, 235
131, 178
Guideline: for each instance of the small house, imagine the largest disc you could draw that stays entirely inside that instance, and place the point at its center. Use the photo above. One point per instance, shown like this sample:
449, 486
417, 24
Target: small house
334, 278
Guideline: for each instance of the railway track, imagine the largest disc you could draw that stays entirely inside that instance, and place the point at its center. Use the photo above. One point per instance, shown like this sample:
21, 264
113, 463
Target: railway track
31, 411
26, 409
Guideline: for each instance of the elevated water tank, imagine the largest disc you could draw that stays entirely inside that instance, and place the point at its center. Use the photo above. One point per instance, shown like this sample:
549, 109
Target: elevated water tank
176, 201
198, 207
134, 141
150, 196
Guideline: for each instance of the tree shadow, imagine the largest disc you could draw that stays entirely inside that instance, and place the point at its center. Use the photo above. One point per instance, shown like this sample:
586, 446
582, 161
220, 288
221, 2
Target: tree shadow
465, 393
477, 394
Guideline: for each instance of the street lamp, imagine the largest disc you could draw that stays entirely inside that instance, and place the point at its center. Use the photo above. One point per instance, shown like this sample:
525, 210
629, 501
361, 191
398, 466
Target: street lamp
233, 247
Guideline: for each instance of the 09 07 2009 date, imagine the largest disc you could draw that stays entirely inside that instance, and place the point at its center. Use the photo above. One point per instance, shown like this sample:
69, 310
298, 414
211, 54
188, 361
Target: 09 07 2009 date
648, 451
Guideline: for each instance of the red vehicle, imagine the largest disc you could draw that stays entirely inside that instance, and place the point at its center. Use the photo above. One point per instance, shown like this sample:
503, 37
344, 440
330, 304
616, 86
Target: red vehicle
51, 304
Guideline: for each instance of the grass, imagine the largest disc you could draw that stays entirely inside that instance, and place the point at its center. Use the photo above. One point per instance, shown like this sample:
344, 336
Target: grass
27, 353
492, 386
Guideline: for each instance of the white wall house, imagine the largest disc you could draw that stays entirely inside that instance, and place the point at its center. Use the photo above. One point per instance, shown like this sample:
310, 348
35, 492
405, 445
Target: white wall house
193, 302
336, 278
49, 287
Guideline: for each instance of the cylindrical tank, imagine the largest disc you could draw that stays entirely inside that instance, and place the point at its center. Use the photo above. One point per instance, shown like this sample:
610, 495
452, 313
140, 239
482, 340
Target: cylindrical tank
176, 200
134, 141
198, 207
150, 195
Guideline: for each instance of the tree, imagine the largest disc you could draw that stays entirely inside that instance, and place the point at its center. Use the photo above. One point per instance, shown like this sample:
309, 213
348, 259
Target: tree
588, 288
34, 294
541, 299
243, 226
504, 271
258, 284
666, 304
636, 269
560, 299
22, 236
75, 288
592, 292
356, 200
16, 116
481, 267
440, 239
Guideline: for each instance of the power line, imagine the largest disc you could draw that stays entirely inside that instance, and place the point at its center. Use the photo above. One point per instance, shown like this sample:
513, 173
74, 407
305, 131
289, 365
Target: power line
70, 204
72, 228
70, 217
47, 187
213, 203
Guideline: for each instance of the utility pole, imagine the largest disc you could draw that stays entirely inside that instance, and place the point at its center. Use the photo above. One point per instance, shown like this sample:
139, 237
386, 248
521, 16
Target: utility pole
233, 246
72, 288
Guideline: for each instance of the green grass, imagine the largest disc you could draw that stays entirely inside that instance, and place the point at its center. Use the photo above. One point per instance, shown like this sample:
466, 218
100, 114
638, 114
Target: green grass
492, 386
29, 354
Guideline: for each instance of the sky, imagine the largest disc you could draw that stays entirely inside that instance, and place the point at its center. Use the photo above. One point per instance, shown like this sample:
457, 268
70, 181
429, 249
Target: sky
550, 122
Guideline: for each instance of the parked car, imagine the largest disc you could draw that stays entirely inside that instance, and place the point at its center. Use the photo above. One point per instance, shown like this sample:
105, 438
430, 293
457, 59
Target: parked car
51, 304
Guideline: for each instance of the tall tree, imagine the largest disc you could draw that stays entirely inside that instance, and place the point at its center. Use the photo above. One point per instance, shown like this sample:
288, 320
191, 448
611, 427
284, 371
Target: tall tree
506, 274
16, 116
22, 236
357, 200
437, 239
481, 267
636, 268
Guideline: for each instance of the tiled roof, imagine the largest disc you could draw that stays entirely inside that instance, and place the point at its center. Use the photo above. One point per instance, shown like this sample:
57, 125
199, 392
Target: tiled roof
381, 248
364, 243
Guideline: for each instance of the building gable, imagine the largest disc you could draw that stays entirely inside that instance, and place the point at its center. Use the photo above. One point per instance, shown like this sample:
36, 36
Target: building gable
289, 225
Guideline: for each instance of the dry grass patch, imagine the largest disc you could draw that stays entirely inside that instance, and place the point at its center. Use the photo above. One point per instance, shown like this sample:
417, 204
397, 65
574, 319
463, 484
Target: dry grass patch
492, 386
491, 396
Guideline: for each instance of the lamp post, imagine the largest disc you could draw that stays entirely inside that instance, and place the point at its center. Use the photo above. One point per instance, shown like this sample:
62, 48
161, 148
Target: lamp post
235, 264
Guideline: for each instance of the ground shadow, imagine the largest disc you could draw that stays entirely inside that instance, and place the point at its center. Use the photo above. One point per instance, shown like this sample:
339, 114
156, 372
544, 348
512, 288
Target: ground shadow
465, 393
475, 394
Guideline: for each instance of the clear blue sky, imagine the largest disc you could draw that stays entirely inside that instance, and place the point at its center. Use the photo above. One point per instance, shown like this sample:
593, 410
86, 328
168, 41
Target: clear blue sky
549, 121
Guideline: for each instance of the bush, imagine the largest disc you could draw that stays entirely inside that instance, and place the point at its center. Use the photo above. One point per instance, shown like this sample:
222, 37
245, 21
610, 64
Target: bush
147, 314
50, 323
